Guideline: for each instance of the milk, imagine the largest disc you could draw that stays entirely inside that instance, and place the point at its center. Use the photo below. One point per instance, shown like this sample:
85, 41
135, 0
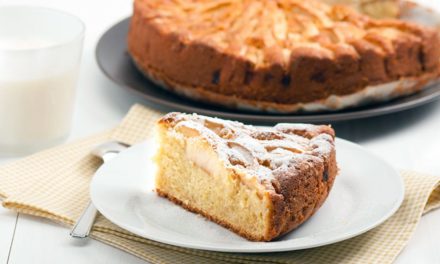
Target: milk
40, 51
35, 113
23, 43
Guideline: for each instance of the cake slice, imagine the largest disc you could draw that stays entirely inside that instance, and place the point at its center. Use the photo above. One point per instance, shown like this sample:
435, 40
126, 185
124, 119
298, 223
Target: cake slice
259, 182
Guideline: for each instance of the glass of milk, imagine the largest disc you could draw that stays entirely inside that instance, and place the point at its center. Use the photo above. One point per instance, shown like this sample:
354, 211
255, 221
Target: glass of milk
40, 51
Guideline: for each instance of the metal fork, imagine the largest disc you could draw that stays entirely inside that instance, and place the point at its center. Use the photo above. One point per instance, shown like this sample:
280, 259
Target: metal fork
106, 152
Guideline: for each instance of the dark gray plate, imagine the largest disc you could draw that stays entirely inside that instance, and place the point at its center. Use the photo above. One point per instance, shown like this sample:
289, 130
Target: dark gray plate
115, 62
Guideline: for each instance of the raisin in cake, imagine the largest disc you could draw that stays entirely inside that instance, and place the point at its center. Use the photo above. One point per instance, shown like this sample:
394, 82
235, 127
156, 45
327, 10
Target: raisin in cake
259, 182
280, 56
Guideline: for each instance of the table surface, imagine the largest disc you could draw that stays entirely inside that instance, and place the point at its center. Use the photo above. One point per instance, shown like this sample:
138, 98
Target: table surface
406, 140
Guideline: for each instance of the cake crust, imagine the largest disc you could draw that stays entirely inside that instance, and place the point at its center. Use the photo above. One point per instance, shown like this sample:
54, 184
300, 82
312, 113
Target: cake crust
292, 166
342, 53
374, 8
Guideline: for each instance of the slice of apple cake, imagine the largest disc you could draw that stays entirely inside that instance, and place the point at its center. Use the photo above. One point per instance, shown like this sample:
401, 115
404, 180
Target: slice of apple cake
259, 182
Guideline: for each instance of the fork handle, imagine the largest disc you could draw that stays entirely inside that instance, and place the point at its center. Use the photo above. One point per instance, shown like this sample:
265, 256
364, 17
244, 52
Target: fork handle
85, 222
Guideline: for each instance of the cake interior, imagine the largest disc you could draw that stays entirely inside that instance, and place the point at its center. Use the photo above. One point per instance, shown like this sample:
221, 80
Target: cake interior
191, 174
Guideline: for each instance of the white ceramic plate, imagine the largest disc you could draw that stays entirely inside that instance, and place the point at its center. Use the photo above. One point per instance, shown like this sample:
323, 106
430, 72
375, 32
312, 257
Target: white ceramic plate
366, 192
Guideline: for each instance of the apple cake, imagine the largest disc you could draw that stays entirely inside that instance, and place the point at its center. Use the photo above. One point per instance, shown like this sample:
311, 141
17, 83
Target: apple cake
259, 182
280, 56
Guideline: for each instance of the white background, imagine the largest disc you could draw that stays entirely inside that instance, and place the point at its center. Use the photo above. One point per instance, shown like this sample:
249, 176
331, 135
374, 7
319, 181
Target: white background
406, 140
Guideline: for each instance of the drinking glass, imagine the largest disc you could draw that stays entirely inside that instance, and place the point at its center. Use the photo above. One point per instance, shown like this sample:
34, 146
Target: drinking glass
40, 51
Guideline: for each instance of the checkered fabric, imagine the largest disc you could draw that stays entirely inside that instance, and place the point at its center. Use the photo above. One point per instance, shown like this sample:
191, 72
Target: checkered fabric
54, 184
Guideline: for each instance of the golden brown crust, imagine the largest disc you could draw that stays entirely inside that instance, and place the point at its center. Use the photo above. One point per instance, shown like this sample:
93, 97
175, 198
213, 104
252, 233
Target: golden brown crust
369, 94
350, 53
303, 189
375, 8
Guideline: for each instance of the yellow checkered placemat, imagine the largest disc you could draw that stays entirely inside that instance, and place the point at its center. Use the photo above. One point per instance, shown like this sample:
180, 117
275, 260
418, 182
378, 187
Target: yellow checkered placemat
54, 184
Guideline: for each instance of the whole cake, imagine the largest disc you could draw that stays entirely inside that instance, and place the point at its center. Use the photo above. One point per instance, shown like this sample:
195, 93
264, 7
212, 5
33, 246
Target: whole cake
259, 182
282, 56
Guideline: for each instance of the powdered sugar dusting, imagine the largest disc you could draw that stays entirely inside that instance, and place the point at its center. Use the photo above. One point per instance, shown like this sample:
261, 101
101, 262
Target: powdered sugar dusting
257, 151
